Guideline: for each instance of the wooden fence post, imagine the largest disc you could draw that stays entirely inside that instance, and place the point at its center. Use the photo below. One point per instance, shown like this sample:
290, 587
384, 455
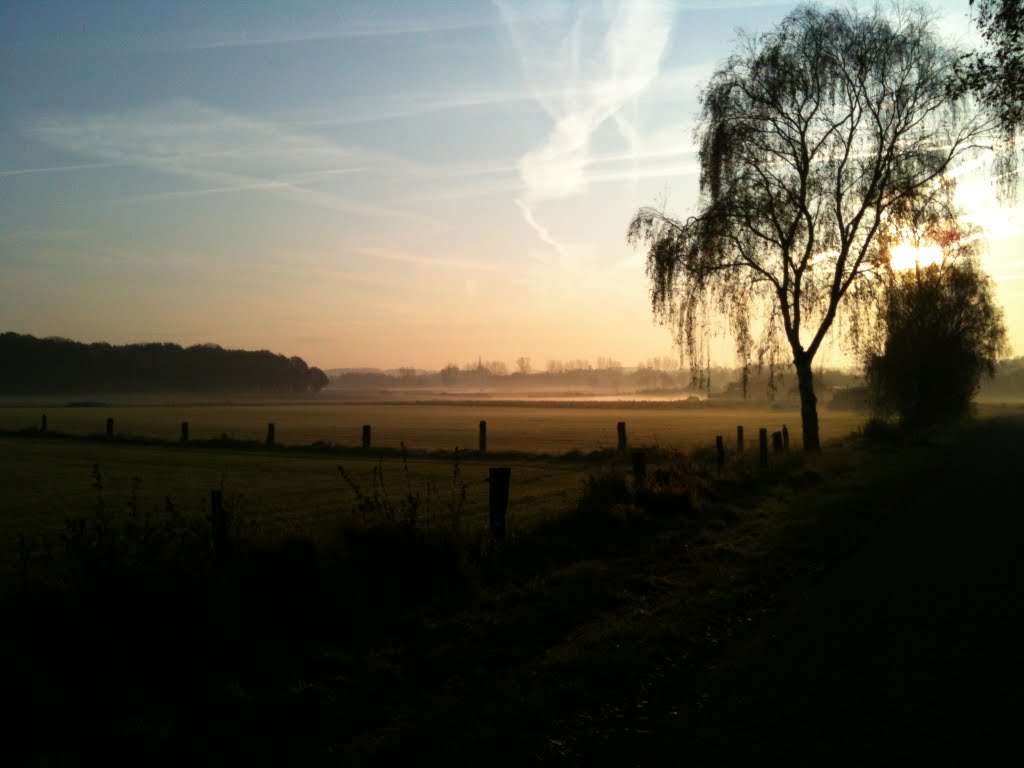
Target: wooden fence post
785, 437
270, 433
776, 442
366, 437
739, 439
184, 431
219, 529
110, 427
762, 438
621, 429
483, 437
639, 469
42, 424
498, 478
720, 450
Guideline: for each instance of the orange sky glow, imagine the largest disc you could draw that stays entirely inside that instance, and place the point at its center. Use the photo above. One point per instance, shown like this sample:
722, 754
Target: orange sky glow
367, 185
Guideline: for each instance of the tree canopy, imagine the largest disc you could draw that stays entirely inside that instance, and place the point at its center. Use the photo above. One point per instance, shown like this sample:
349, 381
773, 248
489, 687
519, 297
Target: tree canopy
942, 332
39, 366
996, 72
820, 144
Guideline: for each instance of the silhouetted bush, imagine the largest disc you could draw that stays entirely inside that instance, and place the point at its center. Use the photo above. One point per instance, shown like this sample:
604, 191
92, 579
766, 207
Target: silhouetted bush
943, 332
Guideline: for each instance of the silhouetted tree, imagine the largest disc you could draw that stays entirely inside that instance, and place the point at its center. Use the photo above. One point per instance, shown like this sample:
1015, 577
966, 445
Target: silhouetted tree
817, 137
450, 373
996, 73
317, 379
496, 368
942, 332
53, 365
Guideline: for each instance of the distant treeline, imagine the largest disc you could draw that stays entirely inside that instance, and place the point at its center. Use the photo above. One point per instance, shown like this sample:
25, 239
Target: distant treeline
655, 375
55, 365
495, 374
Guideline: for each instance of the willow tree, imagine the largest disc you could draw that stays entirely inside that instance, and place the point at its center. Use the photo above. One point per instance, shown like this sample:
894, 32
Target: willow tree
819, 142
995, 73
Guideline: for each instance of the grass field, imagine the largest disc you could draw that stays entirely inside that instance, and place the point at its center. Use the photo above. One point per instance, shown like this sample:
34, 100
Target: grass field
384, 646
530, 428
49, 481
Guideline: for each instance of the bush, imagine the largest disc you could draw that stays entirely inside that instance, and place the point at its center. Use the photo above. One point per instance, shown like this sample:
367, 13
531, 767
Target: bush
943, 332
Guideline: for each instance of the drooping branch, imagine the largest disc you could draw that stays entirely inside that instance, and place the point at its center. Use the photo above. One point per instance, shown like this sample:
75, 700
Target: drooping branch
815, 141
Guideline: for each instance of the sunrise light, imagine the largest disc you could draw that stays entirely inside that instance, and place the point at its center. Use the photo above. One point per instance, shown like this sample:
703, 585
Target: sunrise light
906, 256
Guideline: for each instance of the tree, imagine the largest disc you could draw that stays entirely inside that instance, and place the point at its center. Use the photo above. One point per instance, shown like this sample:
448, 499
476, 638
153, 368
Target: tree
943, 332
819, 143
317, 379
523, 365
996, 73
450, 373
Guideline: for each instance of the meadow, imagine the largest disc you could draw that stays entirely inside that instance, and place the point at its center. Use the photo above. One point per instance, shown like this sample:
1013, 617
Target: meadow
551, 449
368, 645
521, 427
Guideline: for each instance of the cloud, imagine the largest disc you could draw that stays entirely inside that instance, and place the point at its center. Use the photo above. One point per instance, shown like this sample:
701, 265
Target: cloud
221, 151
390, 254
633, 36
541, 231
57, 169
346, 31
582, 92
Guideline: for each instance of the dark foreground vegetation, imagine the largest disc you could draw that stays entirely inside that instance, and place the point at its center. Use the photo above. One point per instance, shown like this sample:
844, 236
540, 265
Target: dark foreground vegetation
143, 638
53, 365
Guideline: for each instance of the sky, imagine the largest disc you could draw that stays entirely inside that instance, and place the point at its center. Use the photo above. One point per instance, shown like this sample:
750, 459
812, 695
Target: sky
367, 183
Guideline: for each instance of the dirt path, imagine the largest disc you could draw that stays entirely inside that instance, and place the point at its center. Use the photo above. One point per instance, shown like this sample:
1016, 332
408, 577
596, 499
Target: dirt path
909, 652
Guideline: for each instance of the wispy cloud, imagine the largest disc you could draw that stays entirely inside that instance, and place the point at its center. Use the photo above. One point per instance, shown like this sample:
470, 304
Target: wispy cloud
633, 36
391, 254
291, 184
346, 31
222, 152
542, 232
57, 169
581, 92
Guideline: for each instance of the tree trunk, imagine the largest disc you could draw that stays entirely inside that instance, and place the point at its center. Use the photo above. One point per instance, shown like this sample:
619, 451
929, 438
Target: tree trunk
808, 405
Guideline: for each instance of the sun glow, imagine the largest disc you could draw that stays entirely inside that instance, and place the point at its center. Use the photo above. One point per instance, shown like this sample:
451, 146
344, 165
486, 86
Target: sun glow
906, 256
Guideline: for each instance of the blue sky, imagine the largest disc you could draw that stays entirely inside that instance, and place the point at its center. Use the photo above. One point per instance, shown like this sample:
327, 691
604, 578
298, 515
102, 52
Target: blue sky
362, 183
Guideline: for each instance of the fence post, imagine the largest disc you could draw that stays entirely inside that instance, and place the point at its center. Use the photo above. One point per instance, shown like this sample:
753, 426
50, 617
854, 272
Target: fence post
785, 437
621, 429
776, 442
720, 450
498, 478
219, 529
42, 424
762, 438
110, 427
739, 439
639, 469
184, 431
366, 437
483, 436
270, 433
